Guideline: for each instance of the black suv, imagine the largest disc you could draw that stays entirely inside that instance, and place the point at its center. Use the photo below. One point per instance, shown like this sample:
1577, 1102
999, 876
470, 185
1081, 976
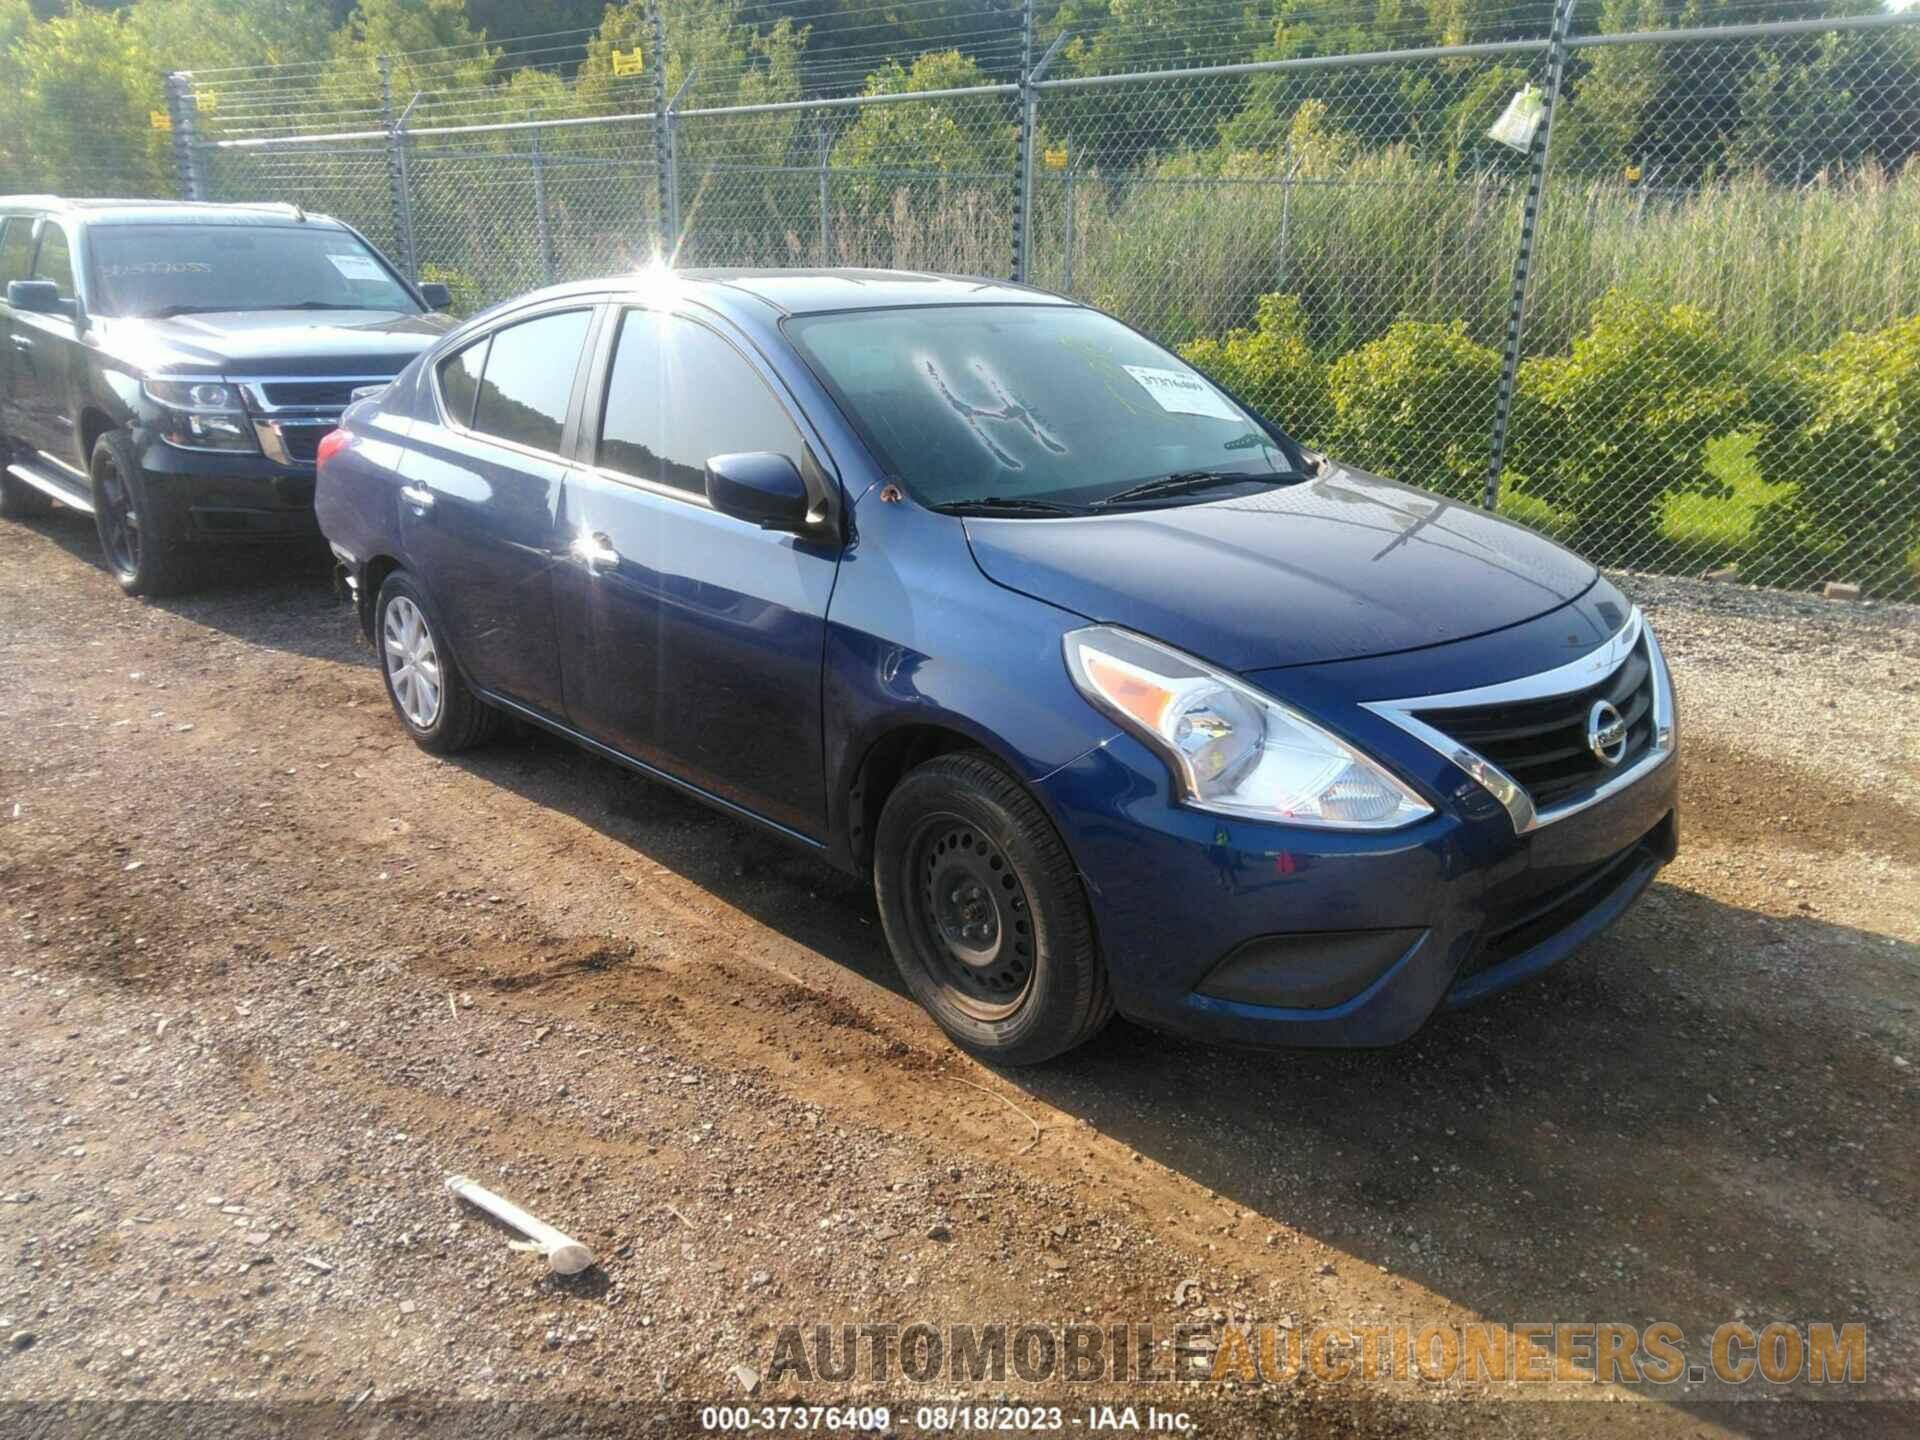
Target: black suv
171, 367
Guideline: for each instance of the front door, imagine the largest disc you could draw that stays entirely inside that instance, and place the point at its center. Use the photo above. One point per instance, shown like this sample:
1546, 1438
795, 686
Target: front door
43, 351
692, 640
481, 497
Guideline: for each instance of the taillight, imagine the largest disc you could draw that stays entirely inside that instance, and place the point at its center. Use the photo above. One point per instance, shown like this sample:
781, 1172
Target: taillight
330, 442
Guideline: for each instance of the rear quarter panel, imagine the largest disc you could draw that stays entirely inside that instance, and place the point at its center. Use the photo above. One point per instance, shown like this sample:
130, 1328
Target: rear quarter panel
355, 493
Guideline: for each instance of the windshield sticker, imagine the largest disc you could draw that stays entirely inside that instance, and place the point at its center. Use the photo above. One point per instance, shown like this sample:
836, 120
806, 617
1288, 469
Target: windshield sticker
358, 267
1183, 394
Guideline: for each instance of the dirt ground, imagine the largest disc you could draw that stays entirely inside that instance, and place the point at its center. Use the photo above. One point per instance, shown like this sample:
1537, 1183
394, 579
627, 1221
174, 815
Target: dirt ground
268, 974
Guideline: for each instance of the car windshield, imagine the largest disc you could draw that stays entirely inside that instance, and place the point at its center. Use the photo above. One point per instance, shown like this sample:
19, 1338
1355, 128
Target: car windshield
158, 270
1035, 408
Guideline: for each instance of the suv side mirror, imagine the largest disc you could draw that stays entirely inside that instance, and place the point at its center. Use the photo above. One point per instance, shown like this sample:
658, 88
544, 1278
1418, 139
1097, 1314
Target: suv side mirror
759, 486
38, 297
437, 296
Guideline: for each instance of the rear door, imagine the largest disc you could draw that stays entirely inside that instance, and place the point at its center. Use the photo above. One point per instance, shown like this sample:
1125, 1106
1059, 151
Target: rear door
693, 640
481, 496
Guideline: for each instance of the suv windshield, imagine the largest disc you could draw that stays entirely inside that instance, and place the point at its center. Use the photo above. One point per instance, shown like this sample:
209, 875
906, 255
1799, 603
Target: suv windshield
1038, 408
178, 269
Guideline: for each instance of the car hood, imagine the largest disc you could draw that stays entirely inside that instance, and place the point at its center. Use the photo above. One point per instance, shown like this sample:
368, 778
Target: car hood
1340, 567
248, 343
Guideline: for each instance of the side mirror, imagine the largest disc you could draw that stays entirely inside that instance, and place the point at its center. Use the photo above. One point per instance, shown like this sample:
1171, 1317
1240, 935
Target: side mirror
38, 297
759, 486
437, 296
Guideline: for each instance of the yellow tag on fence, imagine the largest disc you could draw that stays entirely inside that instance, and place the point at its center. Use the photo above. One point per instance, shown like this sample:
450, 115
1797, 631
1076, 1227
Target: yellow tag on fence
1055, 157
159, 119
629, 62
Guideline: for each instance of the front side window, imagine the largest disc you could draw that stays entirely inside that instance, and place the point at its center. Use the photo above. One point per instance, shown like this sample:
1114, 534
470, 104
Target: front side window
16, 248
1039, 403
54, 261
528, 380
162, 270
678, 395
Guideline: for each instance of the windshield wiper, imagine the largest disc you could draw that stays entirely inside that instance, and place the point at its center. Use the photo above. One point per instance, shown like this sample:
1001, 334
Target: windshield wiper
1184, 482
1005, 505
314, 305
167, 312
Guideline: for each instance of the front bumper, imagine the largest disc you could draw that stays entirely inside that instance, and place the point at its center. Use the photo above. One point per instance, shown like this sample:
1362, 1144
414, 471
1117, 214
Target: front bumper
213, 497
1457, 906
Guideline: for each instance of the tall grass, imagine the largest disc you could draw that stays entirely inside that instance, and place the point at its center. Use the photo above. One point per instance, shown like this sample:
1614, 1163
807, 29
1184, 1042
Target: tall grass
1391, 237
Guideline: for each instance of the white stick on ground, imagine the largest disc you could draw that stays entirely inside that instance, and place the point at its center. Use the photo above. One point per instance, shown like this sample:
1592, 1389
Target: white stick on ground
565, 1255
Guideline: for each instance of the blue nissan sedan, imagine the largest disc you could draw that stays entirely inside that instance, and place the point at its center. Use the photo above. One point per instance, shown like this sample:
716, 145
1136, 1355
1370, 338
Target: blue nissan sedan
1126, 700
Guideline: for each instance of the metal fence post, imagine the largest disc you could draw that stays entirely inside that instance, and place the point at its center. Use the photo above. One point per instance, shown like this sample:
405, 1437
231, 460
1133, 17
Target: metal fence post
1023, 153
1286, 222
1066, 261
1537, 157
542, 229
1029, 128
183, 117
399, 181
663, 143
826, 199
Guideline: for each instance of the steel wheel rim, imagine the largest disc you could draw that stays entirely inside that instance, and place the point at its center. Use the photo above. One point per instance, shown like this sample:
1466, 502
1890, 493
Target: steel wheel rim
119, 521
413, 662
972, 917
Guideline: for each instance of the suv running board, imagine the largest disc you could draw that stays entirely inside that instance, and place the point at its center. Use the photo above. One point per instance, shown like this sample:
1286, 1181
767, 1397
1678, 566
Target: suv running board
40, 480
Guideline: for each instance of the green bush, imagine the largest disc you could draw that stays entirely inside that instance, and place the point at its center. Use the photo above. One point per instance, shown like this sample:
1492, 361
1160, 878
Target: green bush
1417, 405
1854, 459
1608, 431
1272, 368
1537, 514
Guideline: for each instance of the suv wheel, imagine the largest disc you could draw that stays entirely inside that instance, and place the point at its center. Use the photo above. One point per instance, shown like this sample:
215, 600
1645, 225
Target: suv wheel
139, 539
985, 915
17, 498
424, 684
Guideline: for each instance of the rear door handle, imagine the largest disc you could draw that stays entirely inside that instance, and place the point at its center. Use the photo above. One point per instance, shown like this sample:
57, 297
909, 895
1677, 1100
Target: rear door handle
22, 342
596, 550
417, 496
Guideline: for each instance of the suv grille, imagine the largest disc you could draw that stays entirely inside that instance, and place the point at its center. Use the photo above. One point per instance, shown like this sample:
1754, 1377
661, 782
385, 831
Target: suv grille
282, 393
1543, 743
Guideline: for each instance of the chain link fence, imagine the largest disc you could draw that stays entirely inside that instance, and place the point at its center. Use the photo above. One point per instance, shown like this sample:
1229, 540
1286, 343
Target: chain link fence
1679, 329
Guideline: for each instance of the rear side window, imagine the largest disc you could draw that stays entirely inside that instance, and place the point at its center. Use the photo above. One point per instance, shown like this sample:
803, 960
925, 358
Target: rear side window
460, 381
16, 248
528, 380
55, 261
680, 394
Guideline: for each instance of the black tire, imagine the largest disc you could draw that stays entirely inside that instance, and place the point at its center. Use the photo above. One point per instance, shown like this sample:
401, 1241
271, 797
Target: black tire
457, 720
18, 500
985, 915
142, 541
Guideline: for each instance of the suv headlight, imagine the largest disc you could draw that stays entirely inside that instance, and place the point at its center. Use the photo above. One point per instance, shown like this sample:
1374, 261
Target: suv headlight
202, 414
1231, 748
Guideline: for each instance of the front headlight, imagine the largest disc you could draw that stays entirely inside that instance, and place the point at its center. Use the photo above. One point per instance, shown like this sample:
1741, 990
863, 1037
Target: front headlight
1231, 748
202, 415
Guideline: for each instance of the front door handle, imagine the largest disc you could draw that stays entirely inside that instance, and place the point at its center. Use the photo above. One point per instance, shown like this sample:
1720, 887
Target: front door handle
22, 342
417, 496
596, 550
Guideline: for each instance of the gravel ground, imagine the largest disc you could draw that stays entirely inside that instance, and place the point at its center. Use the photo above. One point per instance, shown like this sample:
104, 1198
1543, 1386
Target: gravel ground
268, 974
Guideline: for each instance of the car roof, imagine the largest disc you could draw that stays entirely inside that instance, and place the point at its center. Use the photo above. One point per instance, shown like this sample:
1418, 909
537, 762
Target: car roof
802, 292
165, 212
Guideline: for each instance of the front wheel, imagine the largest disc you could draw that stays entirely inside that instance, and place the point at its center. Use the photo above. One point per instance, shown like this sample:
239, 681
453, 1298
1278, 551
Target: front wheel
432, 700
985, 915
139, 538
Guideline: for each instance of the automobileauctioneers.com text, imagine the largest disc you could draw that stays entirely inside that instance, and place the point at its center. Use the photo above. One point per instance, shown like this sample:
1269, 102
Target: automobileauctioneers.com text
1544, 1354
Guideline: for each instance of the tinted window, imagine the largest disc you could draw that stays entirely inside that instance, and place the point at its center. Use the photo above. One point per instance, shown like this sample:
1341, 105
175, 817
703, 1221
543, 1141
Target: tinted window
529, 378
679, 394
55, 262
149, 269
16, 248
460, 381
1027, 401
